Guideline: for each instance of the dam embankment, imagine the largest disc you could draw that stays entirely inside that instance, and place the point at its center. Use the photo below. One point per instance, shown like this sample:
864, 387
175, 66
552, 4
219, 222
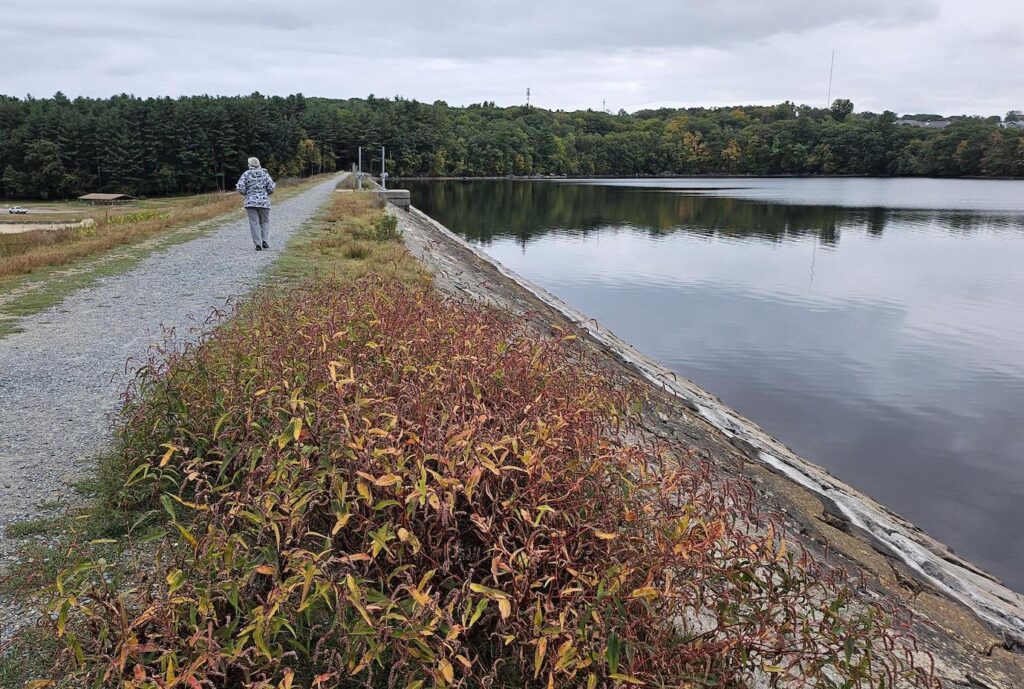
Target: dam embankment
971, 624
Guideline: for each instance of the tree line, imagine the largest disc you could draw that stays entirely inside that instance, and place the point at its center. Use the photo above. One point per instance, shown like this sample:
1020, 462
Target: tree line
59, 147
527, 210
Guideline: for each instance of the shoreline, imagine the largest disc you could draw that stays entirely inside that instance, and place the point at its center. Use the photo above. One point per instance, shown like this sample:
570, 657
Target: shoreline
961, 612
709, 175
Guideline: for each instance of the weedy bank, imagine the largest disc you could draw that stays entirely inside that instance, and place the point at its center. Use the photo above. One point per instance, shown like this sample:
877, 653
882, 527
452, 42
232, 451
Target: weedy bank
362, 483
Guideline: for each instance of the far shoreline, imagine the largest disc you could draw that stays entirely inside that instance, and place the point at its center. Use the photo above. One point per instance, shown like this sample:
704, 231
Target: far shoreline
709, 175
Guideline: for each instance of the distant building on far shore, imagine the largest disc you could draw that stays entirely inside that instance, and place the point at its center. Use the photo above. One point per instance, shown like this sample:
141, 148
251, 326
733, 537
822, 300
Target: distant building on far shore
105, 199
927, 124
939, 122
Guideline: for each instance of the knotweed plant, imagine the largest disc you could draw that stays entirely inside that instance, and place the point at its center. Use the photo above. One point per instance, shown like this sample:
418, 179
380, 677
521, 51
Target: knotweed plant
367, 485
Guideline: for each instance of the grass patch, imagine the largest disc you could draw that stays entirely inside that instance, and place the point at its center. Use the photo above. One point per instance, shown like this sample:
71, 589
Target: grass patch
31, 527
37, 567
50, 286
352, 238
27, 658
356, 251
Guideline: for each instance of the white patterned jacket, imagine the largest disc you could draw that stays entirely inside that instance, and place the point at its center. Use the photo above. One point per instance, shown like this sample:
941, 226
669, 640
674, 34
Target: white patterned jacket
256, 186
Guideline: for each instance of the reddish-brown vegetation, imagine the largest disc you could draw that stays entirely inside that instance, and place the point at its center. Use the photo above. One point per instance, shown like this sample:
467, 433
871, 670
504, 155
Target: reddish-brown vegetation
366, 485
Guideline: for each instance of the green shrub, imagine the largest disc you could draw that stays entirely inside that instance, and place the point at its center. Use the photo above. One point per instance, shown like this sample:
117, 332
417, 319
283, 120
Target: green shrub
366, 485
385, 228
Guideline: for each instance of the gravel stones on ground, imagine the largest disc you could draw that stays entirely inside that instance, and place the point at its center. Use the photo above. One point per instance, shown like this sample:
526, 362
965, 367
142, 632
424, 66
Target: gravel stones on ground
61, 377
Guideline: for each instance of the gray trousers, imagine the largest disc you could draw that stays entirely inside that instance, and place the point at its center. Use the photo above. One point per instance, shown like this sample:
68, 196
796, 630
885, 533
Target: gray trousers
259, 224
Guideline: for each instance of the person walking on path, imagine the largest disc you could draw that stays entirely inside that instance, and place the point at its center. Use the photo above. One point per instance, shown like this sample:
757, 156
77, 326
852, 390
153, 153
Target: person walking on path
256, 186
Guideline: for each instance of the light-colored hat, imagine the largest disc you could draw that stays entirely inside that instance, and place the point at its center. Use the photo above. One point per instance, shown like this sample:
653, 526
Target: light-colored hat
254, 162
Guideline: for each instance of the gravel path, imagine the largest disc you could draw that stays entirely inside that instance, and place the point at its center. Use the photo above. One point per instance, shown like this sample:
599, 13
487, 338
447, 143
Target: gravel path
61, 378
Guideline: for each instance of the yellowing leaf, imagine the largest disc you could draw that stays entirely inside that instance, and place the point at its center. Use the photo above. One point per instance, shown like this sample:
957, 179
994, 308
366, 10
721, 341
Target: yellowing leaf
773, 668
340, 524
604, 535
175, 578
186, 534
627, 679
265, 569
648, 592
167, 455
504, 607
387, 480
447, 671
538, 656
362, 611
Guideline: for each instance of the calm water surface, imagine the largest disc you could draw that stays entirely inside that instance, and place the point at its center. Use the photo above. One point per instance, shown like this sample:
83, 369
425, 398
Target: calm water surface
874, 326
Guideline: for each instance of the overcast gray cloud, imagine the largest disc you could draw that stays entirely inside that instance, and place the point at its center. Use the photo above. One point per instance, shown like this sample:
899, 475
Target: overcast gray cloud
944, 56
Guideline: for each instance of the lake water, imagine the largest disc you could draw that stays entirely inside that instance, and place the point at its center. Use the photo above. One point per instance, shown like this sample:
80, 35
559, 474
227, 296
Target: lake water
874, 326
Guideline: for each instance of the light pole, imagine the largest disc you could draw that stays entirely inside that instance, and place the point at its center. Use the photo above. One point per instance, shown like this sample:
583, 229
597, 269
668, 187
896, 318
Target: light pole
383, 172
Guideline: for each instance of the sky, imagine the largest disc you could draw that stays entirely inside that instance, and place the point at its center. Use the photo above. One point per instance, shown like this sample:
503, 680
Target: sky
910, 56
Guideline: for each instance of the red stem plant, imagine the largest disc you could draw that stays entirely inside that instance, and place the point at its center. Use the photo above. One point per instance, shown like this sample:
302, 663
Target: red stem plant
368, 485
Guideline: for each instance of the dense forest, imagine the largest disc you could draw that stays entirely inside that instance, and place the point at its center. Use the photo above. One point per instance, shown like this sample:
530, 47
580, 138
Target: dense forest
58, 147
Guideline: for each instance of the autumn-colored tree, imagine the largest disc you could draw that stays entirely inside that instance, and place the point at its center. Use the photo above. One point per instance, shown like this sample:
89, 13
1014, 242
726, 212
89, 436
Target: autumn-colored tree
731, 155
307, 157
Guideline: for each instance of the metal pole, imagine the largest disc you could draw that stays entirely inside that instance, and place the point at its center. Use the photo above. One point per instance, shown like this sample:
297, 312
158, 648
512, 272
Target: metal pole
383, 172
831, 66
359, 175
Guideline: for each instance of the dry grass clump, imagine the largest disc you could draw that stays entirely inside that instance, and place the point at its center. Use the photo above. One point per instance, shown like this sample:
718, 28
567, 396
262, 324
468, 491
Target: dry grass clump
353, 206
365, 485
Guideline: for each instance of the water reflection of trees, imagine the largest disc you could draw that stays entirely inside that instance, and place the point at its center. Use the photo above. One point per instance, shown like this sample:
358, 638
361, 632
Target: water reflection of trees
485, 210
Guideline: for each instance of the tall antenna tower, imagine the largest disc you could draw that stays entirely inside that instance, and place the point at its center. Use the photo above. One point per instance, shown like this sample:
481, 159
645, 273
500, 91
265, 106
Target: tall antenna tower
831, 66
604, 105
527, 96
